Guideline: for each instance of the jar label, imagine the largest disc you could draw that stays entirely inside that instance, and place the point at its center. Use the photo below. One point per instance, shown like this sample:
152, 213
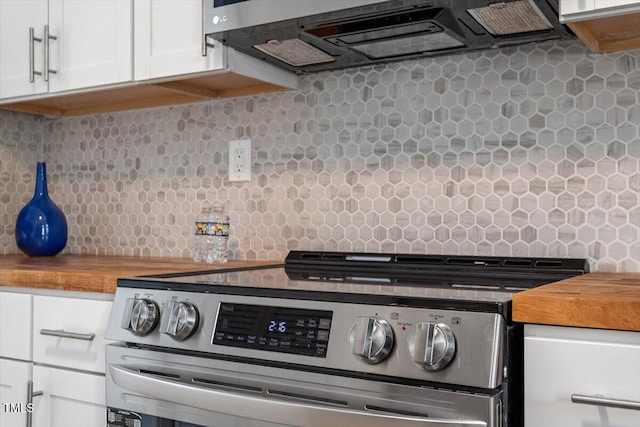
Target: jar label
212, 229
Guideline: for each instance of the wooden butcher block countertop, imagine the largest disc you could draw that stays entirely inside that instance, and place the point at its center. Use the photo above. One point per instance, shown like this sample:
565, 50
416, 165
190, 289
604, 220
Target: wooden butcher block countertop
97, 273
594, 300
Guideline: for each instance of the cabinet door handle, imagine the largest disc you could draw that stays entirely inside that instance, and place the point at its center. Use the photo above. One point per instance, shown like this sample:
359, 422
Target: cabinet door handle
32, 71
30, 395
605, 401
64, 334
47, 38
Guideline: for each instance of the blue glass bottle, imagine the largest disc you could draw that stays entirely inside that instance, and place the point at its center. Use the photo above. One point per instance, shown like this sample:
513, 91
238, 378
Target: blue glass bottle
41, 228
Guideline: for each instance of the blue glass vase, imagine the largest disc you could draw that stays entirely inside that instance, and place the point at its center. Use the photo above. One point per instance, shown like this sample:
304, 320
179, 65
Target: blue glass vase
41, 228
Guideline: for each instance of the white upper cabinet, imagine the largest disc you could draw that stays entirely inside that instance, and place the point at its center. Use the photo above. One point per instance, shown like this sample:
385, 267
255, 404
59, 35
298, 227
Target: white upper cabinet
112, 55
569, 7
168, 39
89, 45
579, 10
168, 44
604, 25
92, 45
22, 55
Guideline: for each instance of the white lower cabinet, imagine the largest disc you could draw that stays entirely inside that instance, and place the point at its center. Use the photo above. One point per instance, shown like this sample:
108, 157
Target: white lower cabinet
577, 377
56, 343
69, 398
15, 325
68, 357
14, 378
69, 332
15, 357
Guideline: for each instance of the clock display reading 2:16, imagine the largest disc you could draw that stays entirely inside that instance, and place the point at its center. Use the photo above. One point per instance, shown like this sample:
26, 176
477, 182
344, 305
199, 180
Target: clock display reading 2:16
275, 326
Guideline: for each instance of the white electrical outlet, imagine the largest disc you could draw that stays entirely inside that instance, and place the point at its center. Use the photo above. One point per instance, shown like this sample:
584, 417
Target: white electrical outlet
240, 160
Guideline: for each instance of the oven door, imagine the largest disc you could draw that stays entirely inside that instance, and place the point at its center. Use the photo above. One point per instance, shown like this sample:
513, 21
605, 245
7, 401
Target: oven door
166, 389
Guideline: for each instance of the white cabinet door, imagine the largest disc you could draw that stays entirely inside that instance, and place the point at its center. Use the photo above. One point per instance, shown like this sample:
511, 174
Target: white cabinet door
93, 44
16, 18
70, 398
15, 324
168, 39
62, 328
565, 364
14, 376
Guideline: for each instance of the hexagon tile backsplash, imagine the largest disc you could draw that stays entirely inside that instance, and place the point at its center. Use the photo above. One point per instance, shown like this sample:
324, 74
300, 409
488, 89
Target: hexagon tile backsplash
20, 150
527, 151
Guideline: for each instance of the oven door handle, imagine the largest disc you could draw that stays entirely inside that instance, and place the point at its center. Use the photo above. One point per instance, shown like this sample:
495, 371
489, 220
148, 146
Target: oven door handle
267, 410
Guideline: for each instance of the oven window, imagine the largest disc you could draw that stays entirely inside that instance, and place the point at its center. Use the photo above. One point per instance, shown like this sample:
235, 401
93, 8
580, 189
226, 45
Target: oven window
122, 418
220, 3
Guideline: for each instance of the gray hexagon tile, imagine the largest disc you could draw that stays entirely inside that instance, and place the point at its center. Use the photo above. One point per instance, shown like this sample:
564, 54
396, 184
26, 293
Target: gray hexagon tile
21, 145
527, 151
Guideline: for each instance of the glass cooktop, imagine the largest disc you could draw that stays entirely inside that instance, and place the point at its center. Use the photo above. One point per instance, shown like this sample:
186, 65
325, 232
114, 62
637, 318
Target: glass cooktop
433, 280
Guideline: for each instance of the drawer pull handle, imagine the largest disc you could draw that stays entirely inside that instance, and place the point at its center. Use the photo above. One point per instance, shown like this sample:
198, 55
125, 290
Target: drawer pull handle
604, 401
47, 38
64, 334
32, 71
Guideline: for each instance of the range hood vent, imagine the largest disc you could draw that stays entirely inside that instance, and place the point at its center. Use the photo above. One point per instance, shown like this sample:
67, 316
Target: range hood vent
516, 17
294, 52
378, 31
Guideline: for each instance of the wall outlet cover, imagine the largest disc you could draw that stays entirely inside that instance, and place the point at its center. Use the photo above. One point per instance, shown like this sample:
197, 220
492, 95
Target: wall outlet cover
240, 160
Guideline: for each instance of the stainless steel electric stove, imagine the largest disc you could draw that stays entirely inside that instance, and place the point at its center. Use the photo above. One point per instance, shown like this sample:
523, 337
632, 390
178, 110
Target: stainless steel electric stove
353, 339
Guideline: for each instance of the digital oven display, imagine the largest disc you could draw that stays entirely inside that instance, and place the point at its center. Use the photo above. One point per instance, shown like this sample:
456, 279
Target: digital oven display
281, 329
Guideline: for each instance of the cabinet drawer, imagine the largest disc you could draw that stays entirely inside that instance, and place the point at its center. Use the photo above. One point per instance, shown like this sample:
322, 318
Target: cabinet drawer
561, 363
69, 332
15, 325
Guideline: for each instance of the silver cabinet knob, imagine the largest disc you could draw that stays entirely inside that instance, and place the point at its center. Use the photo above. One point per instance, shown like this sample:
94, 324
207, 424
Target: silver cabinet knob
140, 316
181, 320
432, 345
371, 339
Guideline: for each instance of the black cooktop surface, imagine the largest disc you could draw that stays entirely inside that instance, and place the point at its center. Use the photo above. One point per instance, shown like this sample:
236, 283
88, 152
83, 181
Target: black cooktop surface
472, 283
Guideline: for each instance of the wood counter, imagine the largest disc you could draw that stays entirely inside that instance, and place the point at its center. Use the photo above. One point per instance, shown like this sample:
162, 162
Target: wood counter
97, 273
594, 300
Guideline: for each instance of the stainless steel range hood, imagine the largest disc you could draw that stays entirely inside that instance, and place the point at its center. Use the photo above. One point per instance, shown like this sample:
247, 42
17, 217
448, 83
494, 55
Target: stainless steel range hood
308, 36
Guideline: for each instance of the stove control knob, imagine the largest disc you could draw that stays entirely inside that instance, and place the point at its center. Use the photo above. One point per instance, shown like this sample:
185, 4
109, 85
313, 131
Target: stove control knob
141, 316
371, 339
181, 320
432, 345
